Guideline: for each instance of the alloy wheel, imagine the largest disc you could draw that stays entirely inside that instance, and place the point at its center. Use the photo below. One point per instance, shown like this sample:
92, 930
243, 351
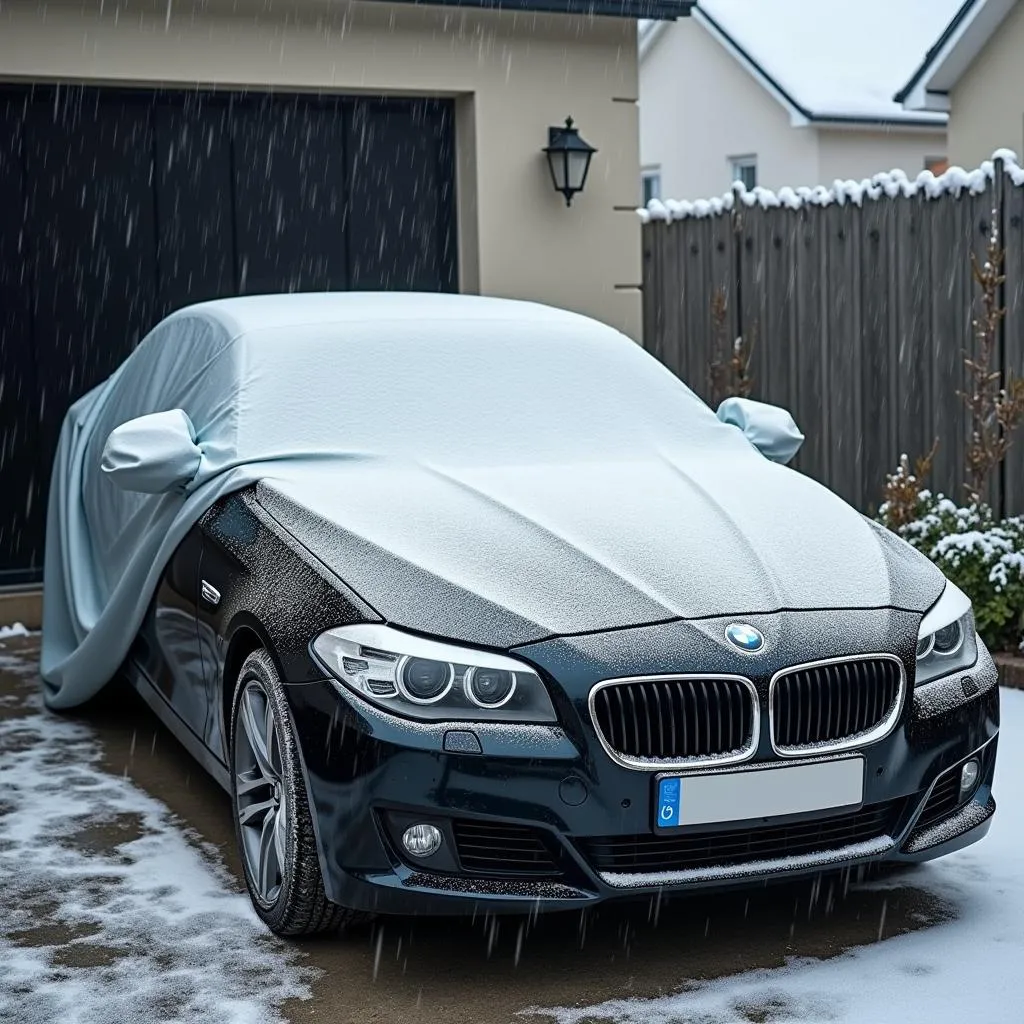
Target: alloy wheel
260, 799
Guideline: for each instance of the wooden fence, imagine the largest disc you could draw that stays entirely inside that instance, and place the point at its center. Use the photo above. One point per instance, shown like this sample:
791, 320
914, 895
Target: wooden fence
860, 316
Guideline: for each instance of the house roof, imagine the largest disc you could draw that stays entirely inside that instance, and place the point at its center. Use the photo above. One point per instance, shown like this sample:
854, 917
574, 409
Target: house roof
660, 9
960, 42
840, 64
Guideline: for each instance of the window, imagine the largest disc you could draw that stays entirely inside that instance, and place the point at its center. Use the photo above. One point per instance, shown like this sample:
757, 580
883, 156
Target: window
936, 164
650, 178
744, 168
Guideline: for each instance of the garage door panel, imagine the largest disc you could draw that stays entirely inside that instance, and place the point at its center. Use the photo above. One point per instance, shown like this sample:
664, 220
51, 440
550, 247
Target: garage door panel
88, 168
290, 196
90, 216
20, 530
194, 203
401, 171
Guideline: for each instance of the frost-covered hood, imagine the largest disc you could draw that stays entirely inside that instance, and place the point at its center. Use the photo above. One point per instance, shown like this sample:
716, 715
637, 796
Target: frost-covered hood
505, 555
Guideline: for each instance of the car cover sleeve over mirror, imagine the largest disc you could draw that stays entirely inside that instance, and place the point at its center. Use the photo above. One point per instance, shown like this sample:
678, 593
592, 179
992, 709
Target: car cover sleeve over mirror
769, 428
152, 454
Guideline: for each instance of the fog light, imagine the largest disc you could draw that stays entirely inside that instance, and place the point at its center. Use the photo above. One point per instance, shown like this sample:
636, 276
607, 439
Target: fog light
422, 840
969, 777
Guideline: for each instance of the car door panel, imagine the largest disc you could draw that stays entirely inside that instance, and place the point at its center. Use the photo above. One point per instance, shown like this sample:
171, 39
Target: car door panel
167, 650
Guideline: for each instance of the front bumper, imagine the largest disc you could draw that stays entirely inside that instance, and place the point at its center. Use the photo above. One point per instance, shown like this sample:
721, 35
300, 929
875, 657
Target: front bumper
370, 775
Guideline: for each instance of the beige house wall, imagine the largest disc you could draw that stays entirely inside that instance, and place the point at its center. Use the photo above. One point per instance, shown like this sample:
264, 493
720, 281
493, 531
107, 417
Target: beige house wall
512, 75
699, 107
860, 154
988, 102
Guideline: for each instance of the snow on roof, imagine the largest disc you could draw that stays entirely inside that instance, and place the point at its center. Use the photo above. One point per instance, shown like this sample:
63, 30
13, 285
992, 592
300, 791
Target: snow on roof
886, 183
833, 60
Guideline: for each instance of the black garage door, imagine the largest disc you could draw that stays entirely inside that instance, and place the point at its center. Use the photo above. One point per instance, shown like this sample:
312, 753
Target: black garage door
118, 206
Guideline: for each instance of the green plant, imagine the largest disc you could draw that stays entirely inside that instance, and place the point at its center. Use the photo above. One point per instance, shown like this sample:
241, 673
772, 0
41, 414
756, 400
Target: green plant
982, 555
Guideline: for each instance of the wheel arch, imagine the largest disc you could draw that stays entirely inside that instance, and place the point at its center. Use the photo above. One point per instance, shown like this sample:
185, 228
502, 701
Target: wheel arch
247, 634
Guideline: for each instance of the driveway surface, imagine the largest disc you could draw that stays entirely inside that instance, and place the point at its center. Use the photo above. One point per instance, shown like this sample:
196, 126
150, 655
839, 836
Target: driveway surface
122, 902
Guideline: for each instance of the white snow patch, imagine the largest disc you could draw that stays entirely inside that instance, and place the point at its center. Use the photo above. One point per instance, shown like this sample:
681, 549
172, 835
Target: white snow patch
16, 664
148, 930
837, 59
888, 184
965, 970
15, 629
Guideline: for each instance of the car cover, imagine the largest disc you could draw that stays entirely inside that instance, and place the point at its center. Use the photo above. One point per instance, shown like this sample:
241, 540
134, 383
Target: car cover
466, 449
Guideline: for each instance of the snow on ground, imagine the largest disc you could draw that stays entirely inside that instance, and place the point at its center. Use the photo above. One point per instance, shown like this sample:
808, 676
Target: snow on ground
965, 970
16, 629
111, 914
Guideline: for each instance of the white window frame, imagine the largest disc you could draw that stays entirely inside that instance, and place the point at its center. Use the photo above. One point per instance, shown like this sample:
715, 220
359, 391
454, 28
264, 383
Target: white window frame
653, 175
738, 165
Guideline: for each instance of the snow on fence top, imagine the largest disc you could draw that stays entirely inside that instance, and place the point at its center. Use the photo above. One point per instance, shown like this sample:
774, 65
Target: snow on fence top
888, 183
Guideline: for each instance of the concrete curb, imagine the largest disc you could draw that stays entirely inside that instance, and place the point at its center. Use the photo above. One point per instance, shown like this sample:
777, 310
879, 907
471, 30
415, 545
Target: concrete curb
22, 605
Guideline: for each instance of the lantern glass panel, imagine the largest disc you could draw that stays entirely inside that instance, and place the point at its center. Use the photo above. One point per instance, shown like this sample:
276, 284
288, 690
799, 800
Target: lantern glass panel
577, 162
557, 163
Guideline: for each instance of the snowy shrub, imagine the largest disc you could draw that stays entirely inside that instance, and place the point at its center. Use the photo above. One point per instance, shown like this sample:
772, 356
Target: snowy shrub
903, 489
982, 555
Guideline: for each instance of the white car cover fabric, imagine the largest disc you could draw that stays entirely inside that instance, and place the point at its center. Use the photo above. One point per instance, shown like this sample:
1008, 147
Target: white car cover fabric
376, 412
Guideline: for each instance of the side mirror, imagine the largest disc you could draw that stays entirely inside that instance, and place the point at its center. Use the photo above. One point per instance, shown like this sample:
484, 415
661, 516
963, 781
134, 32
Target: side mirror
152, 454
770, 429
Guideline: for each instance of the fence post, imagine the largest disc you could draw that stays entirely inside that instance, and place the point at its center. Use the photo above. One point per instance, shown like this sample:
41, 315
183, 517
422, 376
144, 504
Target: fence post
1013, 331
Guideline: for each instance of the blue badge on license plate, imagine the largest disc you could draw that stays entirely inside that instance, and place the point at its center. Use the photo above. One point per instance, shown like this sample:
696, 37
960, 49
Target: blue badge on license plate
669, 796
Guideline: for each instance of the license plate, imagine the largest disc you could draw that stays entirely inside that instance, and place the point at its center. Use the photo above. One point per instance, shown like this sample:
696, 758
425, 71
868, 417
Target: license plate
759, 793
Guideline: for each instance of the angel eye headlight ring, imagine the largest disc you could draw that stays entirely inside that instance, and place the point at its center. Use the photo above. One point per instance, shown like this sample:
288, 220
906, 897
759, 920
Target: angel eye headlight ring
423, 680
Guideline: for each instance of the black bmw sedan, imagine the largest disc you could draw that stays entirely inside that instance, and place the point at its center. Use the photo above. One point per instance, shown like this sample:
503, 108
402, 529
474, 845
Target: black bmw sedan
471, 605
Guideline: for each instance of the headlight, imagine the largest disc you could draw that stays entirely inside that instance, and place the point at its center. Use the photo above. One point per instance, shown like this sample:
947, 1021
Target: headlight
946, 641
430, 680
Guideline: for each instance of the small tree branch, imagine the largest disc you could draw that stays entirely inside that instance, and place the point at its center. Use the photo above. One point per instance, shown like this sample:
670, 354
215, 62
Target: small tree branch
995, 406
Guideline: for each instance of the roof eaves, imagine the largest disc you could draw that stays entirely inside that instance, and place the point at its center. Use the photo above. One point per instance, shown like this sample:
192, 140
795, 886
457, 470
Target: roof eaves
937, 124
932, 55
650, 30
921, 98
648, 35
953, 54
655, 9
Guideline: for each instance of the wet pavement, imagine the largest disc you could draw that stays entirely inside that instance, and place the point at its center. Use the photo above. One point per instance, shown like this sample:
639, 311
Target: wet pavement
438, 970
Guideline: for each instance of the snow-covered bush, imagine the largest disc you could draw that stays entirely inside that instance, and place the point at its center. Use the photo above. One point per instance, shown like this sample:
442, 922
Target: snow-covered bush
982, 555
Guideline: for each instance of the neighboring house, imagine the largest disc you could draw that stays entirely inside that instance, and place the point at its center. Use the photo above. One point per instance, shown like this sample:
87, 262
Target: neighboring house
157, 154
975, 74
784, 93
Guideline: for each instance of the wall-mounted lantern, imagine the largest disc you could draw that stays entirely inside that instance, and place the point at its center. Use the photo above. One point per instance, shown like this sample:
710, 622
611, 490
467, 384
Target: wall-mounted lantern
569, 159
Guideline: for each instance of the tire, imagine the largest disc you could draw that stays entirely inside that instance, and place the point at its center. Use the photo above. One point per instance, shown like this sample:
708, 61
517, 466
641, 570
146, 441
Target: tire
273, 826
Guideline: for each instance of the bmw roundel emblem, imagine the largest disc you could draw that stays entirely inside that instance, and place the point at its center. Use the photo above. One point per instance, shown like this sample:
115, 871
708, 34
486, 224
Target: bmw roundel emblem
745, 637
